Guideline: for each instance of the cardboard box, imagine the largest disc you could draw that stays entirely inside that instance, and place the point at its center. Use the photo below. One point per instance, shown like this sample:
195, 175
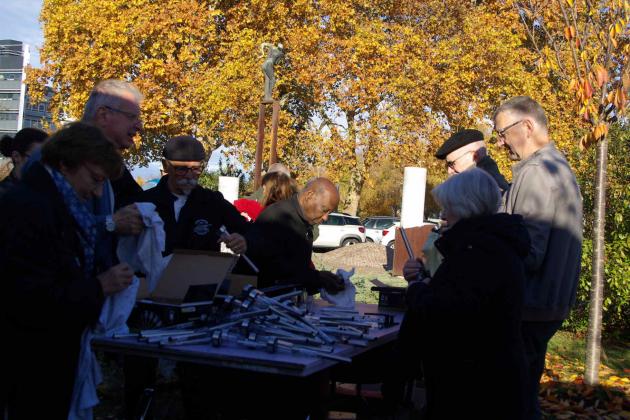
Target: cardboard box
190, 270
236, 282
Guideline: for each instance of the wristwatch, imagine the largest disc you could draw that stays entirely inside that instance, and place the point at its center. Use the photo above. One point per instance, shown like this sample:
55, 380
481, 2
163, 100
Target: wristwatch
110, 225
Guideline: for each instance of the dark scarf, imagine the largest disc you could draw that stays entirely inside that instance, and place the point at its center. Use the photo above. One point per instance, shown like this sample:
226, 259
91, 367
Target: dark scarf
84, 218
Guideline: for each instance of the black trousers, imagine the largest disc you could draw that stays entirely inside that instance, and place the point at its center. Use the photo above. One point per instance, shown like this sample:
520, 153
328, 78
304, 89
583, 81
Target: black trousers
536, 335
140, 373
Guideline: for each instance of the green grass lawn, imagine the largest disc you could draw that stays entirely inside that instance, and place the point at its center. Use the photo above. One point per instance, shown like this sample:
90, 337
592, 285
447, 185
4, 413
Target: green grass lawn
572, 349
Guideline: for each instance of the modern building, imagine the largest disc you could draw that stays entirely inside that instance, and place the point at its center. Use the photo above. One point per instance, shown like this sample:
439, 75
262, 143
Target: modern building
16, 111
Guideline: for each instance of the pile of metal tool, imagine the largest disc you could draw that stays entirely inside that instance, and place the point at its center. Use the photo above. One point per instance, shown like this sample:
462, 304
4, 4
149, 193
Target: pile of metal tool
272, 324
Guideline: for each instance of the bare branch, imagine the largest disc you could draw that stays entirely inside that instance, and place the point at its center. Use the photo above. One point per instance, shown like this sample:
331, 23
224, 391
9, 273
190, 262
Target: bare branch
571, 45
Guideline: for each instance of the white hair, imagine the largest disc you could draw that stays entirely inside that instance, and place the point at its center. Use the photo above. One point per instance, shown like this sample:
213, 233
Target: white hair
468, 194
108, 93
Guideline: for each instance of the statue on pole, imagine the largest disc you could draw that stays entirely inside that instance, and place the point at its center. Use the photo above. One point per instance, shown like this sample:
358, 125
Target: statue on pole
274, 53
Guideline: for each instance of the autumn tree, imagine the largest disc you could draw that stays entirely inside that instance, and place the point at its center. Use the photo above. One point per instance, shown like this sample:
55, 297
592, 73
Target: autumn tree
361, 81
584, 46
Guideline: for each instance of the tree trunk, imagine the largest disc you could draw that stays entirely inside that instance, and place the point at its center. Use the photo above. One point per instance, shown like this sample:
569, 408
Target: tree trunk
594, 334
351, 203
354, 193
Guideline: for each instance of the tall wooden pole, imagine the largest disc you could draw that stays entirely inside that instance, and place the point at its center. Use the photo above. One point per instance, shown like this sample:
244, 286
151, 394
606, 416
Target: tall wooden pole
260, 145
273, 158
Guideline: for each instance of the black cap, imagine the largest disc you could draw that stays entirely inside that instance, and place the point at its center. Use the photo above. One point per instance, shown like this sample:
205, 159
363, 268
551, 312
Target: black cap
457, 140
184, 148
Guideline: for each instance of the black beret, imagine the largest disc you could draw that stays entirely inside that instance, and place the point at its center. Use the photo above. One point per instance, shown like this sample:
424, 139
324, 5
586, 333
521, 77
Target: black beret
184, 148
457, 140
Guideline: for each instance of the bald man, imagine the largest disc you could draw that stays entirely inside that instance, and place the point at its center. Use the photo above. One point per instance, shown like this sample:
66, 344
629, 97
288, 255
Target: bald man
281, 242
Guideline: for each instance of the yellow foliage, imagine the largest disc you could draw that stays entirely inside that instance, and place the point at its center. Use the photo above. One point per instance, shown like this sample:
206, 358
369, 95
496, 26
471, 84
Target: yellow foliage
361, 81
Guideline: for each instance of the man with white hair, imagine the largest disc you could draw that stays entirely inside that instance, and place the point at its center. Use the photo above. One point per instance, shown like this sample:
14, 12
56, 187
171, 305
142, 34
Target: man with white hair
545, 192
114, 107
466, 149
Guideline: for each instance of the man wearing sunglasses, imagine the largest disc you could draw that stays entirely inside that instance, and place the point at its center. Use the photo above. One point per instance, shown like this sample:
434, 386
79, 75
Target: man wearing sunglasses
192, 214
545, 192
466, 149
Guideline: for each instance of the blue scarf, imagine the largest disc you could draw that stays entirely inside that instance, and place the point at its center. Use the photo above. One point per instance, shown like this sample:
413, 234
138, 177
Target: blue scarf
84, 218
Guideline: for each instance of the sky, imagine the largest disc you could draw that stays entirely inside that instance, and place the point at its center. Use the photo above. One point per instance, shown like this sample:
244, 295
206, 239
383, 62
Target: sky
19, 20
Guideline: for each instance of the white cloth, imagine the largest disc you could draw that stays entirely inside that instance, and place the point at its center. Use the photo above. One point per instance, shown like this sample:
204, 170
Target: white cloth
143, 252
347, 297
114, 314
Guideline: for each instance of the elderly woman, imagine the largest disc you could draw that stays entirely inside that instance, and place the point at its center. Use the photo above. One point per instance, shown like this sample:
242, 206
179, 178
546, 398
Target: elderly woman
466, 318
53, 286
19, 149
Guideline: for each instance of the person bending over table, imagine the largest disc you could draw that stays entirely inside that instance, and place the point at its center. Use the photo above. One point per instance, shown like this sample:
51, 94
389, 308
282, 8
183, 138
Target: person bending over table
464, 322
52, 285
282, 239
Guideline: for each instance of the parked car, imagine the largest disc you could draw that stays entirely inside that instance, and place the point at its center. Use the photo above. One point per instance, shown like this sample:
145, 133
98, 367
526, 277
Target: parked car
339, 230
389, 235
374, 226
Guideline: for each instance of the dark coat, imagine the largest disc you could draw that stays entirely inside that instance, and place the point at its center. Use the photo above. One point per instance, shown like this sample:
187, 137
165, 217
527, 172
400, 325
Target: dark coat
125, 188
467, 320
199, 220
490, 166
45, 301
282, 244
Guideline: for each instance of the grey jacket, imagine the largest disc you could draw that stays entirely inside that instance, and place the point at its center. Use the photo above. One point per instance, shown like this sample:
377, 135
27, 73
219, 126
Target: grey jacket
545, 192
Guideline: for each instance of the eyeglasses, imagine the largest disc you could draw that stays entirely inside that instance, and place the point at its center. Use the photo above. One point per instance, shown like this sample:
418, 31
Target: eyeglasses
130, 115
501, 133
183, 170
451, 163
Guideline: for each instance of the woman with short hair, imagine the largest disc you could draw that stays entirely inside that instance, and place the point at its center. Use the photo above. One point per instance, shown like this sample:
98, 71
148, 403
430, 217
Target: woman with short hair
19, 148
53, 286
466, 319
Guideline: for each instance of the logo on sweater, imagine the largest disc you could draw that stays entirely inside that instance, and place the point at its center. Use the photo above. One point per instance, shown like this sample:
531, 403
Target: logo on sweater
202, 227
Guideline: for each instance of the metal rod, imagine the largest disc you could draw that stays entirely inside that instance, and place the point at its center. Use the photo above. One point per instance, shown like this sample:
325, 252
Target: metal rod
247, 260
124, 335
287, 295
164, 333
183, 343
407, 244
181, 326
337, 309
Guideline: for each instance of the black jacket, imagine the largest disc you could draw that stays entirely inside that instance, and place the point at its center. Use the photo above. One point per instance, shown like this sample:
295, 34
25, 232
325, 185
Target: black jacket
281, 244
125, 188
199, 220
45, 300
467, 320
490, 166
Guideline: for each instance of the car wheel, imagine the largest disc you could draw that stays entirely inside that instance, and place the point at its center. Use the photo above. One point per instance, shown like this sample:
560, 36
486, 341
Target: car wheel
350, 241
369, 240
390, 244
